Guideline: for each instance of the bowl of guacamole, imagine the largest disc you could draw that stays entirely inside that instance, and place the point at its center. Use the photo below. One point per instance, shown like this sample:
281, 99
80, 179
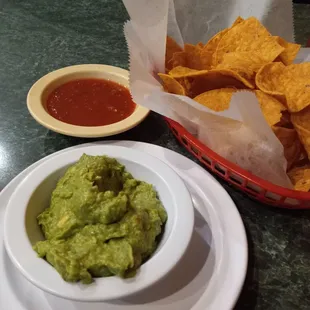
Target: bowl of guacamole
98, 223
101, 221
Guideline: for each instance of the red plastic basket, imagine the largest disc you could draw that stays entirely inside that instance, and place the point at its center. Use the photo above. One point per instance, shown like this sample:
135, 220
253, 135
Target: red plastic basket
254, 186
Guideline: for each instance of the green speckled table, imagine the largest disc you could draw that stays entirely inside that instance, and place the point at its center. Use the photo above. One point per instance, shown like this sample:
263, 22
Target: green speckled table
38, 36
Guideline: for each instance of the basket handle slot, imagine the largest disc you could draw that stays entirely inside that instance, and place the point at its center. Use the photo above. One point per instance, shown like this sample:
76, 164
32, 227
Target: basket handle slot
219, 169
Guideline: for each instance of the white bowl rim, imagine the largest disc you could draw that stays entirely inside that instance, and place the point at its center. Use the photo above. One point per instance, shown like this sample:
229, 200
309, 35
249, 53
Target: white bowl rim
38, 112
23, 256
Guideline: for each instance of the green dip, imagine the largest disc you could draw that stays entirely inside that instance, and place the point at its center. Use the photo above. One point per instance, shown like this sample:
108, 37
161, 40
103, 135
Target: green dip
101, 221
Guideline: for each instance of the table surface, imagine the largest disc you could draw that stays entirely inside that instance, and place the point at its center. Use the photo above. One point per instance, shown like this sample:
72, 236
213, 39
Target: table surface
39, 36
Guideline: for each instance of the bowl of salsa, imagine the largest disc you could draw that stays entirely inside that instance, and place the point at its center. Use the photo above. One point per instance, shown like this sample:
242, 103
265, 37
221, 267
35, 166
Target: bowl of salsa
85, 101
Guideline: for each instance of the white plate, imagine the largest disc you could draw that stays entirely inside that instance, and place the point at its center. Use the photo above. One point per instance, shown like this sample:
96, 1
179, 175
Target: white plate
210, 276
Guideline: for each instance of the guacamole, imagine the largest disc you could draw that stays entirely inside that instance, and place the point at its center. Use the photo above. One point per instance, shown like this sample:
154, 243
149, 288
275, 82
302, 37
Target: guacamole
101, 221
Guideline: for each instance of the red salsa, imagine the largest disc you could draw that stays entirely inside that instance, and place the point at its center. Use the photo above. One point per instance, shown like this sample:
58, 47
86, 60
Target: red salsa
90, 102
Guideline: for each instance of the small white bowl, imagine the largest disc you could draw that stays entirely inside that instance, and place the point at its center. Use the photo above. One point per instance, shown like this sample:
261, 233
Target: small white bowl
40, 90
32, 196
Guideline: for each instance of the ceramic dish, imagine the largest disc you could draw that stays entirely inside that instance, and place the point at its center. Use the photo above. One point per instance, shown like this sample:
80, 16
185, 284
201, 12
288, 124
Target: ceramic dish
32, 196
39, 92
210, 275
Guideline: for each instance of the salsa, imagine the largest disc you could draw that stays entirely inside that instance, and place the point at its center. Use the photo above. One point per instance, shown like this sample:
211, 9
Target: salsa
90, 102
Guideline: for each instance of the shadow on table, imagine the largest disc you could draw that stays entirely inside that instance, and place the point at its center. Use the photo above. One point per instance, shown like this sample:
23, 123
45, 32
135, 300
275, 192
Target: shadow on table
152, 130
248, 297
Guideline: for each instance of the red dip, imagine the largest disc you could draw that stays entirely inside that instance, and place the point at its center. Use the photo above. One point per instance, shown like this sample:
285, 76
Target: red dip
90, 102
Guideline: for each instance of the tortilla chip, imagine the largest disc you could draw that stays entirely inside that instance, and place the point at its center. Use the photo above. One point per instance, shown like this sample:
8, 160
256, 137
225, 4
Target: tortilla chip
187, 84
290, 52
271, 107
200, 45
290, 84
301, 122
298, 173
238, 20
268, 80
295, 84
198, 83
285, 120
303, 159
249, 36
209, 49
220, 79
193, 56
300, 177
181, 72
178, 59
302, 118
207, 53
304, 136
291, 144
217, 99
303, 185
172, 47
245, 63
171, 85
236, 75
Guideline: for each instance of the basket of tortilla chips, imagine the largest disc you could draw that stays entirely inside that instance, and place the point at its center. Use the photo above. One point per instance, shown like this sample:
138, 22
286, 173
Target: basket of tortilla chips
238, 103
281, 87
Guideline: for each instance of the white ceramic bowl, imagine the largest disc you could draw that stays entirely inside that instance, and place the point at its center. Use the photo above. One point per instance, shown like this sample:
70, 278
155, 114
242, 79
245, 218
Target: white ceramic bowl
40, 90
32, 196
